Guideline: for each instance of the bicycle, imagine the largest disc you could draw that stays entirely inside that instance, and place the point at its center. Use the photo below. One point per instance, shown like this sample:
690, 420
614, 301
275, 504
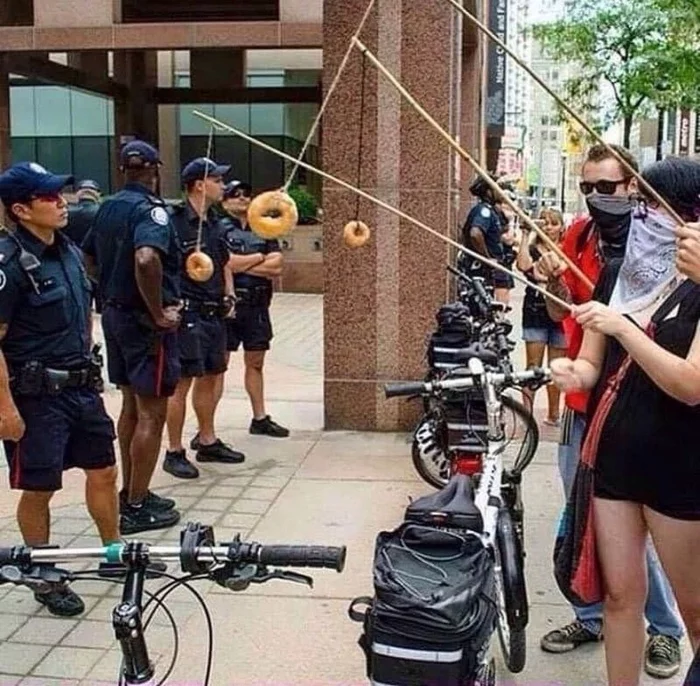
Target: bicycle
233, 565
496, 494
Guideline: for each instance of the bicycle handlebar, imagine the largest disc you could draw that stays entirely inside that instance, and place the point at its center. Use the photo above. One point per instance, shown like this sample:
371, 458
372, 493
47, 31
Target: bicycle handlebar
403, 388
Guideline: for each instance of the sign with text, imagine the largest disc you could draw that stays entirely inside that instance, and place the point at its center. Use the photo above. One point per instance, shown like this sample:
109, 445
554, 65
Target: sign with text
496, 70
684, 133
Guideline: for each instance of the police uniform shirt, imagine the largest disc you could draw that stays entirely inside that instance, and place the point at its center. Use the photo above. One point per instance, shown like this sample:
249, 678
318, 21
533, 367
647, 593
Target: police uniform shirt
51, 326
133, 218
186, 223
80, 219
485, 218
242, 241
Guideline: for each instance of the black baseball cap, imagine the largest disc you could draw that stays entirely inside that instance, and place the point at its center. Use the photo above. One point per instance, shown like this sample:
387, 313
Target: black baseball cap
26, 179
138, 154
201, 167
88, 185
234, 186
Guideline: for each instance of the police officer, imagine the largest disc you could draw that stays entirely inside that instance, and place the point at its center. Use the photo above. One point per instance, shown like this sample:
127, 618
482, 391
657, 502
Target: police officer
202, 334
52, 417
81, 214
254, 262
482, 233
134, 251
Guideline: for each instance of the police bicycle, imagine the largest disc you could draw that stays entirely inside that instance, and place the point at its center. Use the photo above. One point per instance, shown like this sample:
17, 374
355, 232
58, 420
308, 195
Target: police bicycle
496, 493
233, 565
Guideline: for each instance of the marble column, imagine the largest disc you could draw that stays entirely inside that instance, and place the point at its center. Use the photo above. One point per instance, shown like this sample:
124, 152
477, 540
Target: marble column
380, 300
5, 150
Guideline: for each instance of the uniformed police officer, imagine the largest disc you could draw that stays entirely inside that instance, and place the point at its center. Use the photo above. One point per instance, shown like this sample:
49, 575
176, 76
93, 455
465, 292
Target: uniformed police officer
482, 232
254, 262
135, 252
52, 417
202, 334
81, 214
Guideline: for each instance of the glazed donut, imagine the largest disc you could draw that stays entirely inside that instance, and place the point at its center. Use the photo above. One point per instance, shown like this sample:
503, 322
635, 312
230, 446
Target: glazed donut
356, 234
199, 266
272, 214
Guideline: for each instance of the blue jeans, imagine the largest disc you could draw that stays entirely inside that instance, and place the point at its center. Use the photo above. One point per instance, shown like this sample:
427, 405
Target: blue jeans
660, 608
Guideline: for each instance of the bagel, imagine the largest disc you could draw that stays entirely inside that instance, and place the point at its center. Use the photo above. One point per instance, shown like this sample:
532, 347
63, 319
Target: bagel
356, 234
272, 214
199, 266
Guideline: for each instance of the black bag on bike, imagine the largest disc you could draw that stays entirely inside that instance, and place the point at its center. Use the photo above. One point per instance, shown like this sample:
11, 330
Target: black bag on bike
434, 607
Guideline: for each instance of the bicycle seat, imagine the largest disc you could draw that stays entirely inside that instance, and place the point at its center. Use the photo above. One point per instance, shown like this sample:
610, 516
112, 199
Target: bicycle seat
453, 507
486, 355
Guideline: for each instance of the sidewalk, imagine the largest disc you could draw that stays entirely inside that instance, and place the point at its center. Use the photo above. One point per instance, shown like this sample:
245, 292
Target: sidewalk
315, 487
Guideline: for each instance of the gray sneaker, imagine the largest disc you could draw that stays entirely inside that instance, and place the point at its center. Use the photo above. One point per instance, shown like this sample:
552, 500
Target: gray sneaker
568, 638
662, 658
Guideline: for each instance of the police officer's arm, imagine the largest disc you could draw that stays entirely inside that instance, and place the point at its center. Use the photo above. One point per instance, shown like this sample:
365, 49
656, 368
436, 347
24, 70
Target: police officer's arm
88, 248
272, 265
244, 263
11, 424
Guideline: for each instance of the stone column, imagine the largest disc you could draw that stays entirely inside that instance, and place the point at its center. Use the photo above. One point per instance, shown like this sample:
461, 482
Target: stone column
380, 300
5, 151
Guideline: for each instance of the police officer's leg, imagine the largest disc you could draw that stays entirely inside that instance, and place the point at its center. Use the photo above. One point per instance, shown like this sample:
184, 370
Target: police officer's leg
177, 409
145, 446
254, 361
126, 426
34, 516
102, 501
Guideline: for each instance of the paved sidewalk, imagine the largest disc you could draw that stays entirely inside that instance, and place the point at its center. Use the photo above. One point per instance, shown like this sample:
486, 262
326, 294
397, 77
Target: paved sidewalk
315, 487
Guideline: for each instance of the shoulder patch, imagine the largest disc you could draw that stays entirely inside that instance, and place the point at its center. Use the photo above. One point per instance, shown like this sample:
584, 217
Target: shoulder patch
3, 280
485, 212
160, 216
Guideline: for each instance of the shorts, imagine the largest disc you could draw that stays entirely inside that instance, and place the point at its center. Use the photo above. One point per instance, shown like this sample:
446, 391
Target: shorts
202, 344
70, 429
251, 326
138, 356
502, 280
551, 336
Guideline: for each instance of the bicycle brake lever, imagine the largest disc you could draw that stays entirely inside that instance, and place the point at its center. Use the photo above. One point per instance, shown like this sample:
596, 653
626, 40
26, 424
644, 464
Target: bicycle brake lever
284, 576
38, 578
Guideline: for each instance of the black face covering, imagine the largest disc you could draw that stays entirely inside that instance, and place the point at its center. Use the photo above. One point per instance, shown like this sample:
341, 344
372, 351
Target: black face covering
612, 215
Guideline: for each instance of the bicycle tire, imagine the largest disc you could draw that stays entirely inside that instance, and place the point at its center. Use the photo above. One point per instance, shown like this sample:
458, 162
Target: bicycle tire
432, 465
512, 591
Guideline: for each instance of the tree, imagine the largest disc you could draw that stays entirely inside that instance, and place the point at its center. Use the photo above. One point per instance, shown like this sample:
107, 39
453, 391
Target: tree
641, 51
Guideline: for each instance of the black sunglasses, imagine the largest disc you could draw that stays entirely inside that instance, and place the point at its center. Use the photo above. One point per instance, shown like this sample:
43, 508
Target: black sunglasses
603, 186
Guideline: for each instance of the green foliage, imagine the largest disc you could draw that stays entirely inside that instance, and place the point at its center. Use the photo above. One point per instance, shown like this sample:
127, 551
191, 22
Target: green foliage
643, 50
306, 203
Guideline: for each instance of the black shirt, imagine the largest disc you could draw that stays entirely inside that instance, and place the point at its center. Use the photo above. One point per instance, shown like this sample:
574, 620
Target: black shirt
535, 315
80, 219
133, 218
242, 241
53, 325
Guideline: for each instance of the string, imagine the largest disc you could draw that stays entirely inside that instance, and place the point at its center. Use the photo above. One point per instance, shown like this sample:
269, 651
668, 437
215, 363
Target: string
331, 88
360, 146
203, 206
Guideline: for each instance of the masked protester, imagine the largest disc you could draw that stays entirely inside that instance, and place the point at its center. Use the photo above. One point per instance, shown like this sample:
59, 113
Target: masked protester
640, 360
592, 243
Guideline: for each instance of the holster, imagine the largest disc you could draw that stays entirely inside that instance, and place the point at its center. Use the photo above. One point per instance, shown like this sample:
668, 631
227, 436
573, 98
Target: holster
256, 296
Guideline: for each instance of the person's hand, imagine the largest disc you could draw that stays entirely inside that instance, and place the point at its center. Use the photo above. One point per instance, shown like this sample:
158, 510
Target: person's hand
688, 251
11, 424
170, 317
550, 266
597, 317
564, 375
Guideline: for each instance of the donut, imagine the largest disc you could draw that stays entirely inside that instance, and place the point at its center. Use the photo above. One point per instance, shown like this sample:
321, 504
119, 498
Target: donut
356, 234
272, 214
199, 266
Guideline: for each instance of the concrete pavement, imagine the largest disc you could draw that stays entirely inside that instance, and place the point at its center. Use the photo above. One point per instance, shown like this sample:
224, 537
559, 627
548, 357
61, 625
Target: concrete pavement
315, 487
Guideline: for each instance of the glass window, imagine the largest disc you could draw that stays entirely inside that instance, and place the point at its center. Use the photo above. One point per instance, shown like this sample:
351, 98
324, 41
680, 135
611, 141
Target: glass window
53, 115
22, 111
91, 159
55, 153
235, 115
23, 149
191, 125
89, 115
267, 119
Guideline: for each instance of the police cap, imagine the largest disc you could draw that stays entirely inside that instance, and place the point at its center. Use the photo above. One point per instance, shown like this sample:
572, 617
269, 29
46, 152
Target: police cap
202, 167
139, 154
234, 186
24, 180
88, 185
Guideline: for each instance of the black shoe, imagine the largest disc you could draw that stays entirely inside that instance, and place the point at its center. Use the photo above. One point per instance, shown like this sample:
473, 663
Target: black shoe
568, 638
219, 452
134, 520
194, 443
117, 570
266, 427
662, 657
62, 603
153, 501
177, 464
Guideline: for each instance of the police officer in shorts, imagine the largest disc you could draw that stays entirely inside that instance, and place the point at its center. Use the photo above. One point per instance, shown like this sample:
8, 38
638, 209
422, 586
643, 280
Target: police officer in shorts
202, 334
134, 250
254, 262
52, 417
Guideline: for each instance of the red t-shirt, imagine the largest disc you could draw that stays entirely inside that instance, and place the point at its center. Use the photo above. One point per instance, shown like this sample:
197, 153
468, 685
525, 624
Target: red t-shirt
580, 244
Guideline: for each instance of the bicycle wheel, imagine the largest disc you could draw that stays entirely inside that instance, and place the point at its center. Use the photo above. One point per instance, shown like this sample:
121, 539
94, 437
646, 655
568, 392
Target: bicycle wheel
522, 434
511, 593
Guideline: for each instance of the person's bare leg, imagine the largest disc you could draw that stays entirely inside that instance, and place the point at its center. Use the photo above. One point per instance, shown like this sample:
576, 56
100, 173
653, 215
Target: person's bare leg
145, 446
534, 354
126, 425
254, 361
621, 535
553, 393
220, 380
177, 411
34, 517
677, 544
501, 295
102, 502
204, 402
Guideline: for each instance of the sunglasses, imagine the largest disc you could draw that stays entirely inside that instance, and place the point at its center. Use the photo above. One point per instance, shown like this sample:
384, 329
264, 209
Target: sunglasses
604, 187
239, 194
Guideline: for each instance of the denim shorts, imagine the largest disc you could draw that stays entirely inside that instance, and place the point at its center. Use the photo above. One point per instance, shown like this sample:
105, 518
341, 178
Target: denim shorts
551, 336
